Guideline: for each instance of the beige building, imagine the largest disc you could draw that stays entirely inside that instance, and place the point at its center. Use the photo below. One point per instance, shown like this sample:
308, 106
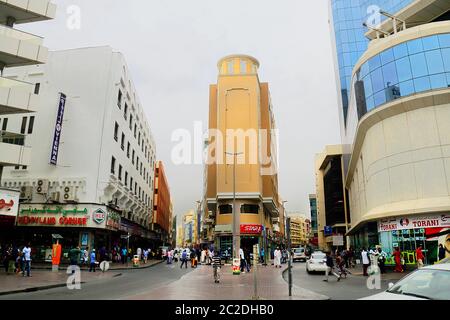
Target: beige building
332, 210
300, 230
241, 121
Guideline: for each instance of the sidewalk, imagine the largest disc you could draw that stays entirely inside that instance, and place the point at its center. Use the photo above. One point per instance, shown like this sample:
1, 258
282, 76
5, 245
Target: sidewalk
199, 285
41, 280
116, 266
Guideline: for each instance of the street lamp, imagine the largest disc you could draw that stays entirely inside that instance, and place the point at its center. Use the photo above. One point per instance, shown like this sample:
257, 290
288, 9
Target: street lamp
288, 235
236, 217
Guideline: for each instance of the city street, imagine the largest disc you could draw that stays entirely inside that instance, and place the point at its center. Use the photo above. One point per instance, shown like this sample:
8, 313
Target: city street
129, 283
351, 288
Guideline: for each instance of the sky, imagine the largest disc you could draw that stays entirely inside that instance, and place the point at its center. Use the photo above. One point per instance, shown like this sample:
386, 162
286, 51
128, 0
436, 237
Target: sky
172, 48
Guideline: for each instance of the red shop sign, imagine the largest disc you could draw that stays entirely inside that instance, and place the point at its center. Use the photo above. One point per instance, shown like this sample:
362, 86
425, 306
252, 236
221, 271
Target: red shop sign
251, 228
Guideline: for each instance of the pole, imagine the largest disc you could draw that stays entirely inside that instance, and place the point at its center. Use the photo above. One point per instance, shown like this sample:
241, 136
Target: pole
289, 255
236, 218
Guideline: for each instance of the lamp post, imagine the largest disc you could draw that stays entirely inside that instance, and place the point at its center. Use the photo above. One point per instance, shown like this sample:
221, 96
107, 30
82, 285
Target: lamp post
288, 234
236, 217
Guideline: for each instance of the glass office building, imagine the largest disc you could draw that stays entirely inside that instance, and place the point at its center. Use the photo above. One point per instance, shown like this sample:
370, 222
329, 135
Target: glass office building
394, 82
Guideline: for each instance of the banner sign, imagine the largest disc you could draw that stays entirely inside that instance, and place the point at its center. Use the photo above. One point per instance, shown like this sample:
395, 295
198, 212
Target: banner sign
9, 203
58, 129
420, 222
251, 229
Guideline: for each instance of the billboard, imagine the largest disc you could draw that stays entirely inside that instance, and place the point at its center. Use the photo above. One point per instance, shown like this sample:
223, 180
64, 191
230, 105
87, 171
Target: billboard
9, 203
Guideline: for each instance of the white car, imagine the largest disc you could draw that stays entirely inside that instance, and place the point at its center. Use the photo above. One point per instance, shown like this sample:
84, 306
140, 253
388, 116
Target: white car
317, 262
299, 254
428, 283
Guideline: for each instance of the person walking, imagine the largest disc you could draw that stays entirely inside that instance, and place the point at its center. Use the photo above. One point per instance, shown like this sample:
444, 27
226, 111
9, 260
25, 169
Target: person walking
341, 265
398, 260
330, 266
194, 259
441, 253
93, 261
74, 255
183, 259
419, 257
277, 257
381, 260
27, 258
124, 255
365, 257
217, 263
261, 255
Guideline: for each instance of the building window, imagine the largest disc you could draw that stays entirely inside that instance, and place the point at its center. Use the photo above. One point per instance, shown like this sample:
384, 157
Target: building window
37, 88
137, 163
5, 124
128, 150
113, 165
250, 208
120, 172
125, 112
131, 184
135, 130
24, 125
135, 188
126, 178
122, 143
131, 122
230, 67
141, 169
225, 209
132, 158
139, 139
243, 67
116, 131
31, 125
119, 99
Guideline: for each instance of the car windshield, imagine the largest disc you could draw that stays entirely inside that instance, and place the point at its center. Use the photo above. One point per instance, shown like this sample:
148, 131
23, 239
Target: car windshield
426, 284
318, 256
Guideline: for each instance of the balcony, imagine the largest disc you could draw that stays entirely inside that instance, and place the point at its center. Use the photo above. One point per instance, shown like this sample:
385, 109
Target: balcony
18, 48
27, 10
13, 151
17, 97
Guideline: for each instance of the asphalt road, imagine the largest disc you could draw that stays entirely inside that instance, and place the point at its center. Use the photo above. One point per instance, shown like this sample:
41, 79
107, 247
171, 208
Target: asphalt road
130, 283
352, 288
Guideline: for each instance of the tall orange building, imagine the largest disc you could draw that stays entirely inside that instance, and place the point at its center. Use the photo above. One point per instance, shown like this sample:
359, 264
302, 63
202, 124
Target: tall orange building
241, 121
162, 208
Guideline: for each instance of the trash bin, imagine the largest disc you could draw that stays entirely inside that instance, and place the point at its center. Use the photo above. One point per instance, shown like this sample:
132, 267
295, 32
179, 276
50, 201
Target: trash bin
136, 261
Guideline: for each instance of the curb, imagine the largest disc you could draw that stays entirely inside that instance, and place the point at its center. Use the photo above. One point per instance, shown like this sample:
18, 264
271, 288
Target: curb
42, 288
115, 269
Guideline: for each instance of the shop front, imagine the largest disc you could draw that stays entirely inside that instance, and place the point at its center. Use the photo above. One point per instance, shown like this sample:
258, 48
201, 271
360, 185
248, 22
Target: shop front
410, 232
9, 207
84, 225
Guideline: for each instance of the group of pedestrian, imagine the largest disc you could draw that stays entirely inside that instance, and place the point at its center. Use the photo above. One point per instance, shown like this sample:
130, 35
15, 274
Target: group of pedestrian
16, 260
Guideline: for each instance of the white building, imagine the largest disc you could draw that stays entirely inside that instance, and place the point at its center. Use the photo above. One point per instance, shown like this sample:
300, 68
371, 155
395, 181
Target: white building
105, 157
17, 48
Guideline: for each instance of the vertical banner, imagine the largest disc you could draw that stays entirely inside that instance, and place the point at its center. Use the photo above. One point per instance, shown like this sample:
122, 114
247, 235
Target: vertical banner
58, 129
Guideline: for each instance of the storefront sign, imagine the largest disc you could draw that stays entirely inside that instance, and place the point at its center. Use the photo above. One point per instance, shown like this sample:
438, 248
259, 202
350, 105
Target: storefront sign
58, 129
9, 203
338, 240
251, 229
419, 222
99, 216
90, 216
113, 220
328, 231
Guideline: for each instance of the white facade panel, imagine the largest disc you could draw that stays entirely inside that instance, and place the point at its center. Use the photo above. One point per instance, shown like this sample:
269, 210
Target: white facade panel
91, 78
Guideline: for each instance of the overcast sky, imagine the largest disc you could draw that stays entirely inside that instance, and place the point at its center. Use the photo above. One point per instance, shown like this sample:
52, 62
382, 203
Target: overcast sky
172, 48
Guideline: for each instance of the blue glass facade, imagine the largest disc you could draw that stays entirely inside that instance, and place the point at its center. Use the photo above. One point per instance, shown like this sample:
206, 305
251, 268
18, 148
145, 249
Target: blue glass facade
348, 17
411, 67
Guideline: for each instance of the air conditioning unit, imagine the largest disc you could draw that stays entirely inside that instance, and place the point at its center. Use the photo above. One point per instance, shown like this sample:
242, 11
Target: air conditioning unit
42, 186
69, 194
26, 193
56, 196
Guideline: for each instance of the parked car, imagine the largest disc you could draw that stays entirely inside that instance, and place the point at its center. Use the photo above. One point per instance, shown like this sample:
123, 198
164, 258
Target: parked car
299, 254
317, 262
428, 283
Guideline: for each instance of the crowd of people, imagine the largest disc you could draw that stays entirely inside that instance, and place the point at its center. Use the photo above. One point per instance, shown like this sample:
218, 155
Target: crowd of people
16, 260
